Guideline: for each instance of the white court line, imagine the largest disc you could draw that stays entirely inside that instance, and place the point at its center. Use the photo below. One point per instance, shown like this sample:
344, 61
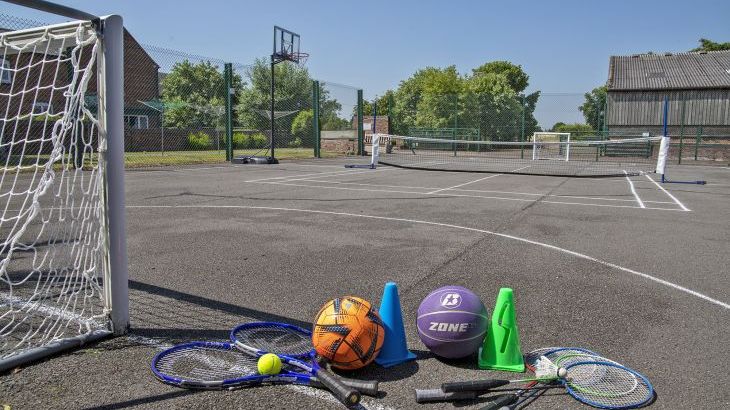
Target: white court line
681, 205
350, 172
465, 196
324, 174
465, 183
597, 198
465, 228
633, 191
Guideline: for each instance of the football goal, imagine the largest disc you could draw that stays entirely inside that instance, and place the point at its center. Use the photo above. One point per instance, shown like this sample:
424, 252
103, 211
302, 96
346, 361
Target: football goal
551, 145
63, 262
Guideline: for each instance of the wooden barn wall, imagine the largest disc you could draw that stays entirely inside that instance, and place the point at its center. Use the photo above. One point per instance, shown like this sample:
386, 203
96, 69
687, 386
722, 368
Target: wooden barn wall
645, 108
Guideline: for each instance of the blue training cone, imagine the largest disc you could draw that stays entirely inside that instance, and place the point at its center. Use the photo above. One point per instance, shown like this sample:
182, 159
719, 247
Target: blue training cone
395, 350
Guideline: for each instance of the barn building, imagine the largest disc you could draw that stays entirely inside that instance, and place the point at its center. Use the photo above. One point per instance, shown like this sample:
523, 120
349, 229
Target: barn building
697, 85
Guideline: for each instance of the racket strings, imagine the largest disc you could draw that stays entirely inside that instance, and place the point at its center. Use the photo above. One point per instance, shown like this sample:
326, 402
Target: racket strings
609, 386
276, 339
206, 364
596, 380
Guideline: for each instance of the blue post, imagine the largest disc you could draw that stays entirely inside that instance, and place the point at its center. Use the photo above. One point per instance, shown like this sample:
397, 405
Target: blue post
664, 123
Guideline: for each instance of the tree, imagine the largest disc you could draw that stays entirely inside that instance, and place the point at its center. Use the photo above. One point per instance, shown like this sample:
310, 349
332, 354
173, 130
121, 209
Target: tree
709, 45
427, 99
194, 95
594, 106
293, 93
504, 112
490, 100
384, 102
576, 129
517, 79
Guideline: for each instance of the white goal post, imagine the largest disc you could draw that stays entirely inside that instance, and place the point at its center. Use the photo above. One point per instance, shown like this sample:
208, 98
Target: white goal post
551, 145
63, 260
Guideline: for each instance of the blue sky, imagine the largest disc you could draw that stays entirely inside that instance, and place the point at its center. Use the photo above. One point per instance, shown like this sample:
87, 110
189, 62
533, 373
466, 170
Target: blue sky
564, 46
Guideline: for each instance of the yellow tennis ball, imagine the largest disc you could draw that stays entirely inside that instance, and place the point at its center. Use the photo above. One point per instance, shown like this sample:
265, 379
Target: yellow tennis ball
269, 364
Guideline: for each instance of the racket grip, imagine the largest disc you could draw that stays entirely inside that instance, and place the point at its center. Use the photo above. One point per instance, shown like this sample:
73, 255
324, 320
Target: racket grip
474, 385
436, 395
347, 395
366, 387
501, 401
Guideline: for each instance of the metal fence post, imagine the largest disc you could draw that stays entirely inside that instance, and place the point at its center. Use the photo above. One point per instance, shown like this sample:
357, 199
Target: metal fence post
228, 79
522, 127
315, 118
360, 128
681, 131
698, 138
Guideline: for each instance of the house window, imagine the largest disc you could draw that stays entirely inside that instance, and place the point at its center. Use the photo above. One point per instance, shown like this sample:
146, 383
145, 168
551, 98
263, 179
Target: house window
137, 122
6, 77
42, 108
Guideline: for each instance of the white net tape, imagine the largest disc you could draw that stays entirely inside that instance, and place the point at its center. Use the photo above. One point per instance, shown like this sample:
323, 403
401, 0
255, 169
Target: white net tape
53, 269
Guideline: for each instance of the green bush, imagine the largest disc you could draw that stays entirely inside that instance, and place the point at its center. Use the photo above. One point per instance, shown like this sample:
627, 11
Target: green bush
199, 140
248, 141
257, 141
239, 139
302, 126
295, 143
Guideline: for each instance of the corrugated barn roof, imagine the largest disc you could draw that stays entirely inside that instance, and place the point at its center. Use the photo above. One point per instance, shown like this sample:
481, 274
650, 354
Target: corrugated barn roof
693, 70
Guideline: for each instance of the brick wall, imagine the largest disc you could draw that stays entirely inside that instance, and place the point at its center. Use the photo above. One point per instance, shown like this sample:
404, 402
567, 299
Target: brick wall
341, 146
382, 122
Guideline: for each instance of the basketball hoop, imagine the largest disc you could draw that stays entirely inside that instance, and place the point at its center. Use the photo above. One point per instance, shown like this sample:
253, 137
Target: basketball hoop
299, 58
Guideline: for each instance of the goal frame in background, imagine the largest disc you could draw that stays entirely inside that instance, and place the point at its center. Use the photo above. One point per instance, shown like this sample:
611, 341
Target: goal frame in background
110, 148
553, 140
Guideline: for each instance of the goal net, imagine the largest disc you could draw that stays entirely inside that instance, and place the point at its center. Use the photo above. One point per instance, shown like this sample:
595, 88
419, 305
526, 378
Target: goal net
551, 145
60, 282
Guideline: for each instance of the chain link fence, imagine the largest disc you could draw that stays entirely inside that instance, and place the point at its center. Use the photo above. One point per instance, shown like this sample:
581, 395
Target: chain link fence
177, 108
698, 124
338, 119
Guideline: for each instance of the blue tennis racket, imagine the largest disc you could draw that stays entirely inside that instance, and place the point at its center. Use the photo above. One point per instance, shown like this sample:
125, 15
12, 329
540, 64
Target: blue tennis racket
293, 345
215, 365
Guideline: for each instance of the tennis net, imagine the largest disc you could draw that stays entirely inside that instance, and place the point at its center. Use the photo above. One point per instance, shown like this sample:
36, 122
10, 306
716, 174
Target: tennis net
587, 157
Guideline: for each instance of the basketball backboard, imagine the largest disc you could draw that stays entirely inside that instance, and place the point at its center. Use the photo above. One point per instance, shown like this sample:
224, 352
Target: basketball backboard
286, 45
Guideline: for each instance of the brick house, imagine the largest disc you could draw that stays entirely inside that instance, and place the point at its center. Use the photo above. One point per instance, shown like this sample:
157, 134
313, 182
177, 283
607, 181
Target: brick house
140, 84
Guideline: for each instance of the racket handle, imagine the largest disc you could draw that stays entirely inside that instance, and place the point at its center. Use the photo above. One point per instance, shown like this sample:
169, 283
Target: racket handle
347, 395
366, 387
474, 385
436, 395
501, 401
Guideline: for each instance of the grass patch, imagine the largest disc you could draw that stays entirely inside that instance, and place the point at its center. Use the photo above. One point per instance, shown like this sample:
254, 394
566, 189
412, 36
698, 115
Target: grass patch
170, 158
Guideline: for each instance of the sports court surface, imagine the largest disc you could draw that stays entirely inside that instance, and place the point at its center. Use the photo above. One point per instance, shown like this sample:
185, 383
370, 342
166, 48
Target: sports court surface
632, 269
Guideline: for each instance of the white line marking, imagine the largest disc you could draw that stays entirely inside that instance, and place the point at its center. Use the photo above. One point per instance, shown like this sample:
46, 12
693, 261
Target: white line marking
633, 191
465, 183
466, 196
681, 205
597, 198
352, 171
465, 228
329, 173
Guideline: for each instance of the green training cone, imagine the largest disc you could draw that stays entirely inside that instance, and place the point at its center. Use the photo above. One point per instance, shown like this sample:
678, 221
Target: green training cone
501, 348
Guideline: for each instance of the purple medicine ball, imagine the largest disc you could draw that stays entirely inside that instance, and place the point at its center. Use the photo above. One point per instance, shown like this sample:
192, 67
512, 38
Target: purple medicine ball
452, 322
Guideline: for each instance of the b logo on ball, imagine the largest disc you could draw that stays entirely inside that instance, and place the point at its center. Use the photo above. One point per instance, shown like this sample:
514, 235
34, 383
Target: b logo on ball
452, 322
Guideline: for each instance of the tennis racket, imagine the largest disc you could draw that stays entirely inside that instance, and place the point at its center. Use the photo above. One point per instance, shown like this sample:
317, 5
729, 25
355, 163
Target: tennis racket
438, 395
510, 401
293, 345
215, 365
602, 384
560, 356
